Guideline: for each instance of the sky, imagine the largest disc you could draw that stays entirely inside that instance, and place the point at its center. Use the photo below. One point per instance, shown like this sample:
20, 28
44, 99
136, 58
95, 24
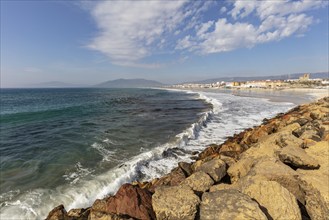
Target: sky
88, 42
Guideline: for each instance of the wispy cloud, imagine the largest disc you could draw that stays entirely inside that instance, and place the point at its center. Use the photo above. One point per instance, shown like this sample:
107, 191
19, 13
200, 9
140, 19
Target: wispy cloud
32, 70
130, 31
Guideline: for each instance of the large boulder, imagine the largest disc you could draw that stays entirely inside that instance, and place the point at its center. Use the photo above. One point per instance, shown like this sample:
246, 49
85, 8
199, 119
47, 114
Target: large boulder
174, 178
275, 200
58, 213
297, 157
176, 202
318, 179
129, 201
273, 169
199, 181
229, 204
215, 168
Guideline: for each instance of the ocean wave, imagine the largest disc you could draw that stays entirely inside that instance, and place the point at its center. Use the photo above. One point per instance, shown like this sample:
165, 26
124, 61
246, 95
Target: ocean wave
213, 126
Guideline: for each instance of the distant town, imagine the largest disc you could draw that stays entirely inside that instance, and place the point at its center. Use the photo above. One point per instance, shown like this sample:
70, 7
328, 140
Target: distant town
303, 81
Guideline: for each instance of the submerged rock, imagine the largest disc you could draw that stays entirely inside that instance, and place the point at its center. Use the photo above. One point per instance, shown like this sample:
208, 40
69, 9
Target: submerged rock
177, 202
229, 204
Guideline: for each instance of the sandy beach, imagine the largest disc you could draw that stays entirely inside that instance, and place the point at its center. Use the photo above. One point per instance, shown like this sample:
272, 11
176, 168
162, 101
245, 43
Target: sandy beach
294, 95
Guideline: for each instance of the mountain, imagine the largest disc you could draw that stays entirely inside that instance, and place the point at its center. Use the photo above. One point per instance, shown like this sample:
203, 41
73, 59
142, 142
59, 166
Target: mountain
54, 84
129, 83
321, 75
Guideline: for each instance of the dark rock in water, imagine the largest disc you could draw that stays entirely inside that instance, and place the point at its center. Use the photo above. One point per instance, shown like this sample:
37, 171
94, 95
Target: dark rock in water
265, 120
58, 213
128, 201
194, 152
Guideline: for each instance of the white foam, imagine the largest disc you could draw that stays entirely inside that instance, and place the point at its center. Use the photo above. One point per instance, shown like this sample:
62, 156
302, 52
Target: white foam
230, 114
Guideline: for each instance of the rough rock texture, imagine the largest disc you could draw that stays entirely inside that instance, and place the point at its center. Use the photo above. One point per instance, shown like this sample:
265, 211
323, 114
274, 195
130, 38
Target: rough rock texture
58, 213
174, 178
275, 170
79, 214
177, 202
276, 201
129, 200
215, 168
297, 157
319, 179
229, 204
199, 181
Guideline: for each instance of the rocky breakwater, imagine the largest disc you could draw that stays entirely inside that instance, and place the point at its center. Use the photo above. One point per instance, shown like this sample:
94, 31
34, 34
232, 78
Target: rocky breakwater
278, 170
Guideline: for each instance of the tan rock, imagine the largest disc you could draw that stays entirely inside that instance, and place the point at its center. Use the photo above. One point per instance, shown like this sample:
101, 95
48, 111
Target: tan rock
79, 214
199, 181
222, 186
229, 204
174, 178
297, 157
95, 215
276, 200
318, 179
273, 169
215, 168
177, 202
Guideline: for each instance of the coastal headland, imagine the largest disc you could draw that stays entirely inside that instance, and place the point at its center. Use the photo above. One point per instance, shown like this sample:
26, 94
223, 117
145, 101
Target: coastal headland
277, 170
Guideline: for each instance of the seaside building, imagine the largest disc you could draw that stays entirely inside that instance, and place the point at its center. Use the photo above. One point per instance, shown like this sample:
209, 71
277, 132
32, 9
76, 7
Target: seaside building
305, 77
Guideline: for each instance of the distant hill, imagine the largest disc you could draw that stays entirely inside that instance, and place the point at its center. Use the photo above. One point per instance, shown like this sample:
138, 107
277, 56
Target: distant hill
54, 84
129, 83
323, 75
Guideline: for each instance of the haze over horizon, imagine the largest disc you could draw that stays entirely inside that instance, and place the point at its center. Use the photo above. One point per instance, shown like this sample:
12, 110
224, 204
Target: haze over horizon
84, 42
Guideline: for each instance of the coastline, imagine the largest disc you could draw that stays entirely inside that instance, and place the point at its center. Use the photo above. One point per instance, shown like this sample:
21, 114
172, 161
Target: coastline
225, 156
297, 96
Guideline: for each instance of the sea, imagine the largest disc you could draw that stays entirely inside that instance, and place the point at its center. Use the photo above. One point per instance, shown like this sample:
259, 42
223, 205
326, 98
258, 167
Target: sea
72, 146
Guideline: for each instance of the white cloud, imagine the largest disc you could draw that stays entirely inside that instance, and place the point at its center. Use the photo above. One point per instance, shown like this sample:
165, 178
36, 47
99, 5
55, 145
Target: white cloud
129, 28
130, 31
277, 20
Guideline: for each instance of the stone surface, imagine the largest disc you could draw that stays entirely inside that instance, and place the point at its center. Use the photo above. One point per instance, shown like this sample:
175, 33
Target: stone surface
177, 202
222, 186
318, 179
215, 168
94, 215
229, 204
174, 178
186, 168
273, 169
315, 204
129, 200
275, 200
79, 214
297, 157
58, 213
199, 181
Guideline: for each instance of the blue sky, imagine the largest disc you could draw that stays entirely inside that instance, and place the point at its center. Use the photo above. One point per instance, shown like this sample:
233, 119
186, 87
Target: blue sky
87, 42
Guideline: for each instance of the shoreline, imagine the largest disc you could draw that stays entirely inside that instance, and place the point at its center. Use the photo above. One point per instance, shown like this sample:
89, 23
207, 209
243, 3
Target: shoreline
296, 96
228, 155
